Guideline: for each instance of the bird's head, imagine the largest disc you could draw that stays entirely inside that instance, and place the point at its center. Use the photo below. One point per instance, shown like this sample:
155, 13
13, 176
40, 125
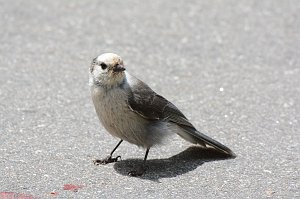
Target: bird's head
107, 70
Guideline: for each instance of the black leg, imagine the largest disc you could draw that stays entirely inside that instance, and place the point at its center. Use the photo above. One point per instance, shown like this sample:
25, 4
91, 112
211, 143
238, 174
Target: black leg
111, 153
109, 158
142, 168
146, 155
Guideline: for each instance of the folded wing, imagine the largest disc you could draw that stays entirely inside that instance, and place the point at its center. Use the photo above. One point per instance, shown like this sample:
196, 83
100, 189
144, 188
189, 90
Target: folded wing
148, 104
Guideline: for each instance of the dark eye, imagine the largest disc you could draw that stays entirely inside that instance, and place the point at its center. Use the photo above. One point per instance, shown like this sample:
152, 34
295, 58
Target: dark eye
103, 66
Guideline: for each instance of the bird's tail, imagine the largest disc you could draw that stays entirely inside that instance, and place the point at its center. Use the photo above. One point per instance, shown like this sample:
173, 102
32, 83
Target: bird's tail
197, 137
217, 145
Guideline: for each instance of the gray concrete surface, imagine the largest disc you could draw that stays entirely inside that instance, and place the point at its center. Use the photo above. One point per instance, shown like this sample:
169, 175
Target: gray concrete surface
232, 67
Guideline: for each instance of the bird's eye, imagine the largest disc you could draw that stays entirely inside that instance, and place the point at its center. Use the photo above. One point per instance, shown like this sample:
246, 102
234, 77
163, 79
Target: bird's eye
103, 66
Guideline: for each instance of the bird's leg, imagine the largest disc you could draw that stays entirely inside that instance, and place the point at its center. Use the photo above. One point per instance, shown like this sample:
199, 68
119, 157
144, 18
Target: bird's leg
109, 158
142, 168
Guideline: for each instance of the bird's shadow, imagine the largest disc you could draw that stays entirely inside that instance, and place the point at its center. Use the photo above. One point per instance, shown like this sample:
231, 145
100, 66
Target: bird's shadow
179, 164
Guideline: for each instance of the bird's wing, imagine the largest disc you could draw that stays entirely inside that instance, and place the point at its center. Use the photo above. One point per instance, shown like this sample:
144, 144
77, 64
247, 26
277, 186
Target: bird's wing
145, 102
148, 104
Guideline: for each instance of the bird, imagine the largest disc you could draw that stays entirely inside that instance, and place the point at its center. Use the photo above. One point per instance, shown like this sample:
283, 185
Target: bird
130, 110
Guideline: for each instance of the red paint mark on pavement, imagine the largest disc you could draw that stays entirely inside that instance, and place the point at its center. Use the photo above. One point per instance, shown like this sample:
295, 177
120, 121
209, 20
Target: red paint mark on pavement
72, 187
13, 195
6, 195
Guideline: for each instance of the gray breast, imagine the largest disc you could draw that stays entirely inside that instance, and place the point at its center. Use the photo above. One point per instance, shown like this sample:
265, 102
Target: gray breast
117, 118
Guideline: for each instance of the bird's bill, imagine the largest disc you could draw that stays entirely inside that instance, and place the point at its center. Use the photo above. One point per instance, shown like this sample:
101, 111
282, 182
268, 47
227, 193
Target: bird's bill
118, 68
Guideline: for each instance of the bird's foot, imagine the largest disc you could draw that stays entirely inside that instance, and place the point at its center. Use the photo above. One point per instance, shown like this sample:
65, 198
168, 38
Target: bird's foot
138, 172
107, 160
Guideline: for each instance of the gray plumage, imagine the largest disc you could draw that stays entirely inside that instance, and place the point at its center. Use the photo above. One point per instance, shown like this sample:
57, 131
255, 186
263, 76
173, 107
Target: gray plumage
130, 110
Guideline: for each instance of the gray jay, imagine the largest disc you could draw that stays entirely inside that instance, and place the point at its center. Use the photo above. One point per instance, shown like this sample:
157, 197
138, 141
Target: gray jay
130, 110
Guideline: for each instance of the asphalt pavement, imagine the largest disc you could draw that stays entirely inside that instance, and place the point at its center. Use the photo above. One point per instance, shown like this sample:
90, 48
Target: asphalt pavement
232, 67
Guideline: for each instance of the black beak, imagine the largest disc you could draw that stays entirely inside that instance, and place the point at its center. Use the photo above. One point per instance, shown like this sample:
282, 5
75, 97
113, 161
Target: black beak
118, 68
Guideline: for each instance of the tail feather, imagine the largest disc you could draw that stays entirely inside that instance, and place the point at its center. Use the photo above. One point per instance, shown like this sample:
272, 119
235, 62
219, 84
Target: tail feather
195, 136
217, 145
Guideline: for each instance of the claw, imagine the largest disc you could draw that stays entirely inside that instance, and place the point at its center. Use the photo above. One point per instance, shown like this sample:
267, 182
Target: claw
106, 160
118, 157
